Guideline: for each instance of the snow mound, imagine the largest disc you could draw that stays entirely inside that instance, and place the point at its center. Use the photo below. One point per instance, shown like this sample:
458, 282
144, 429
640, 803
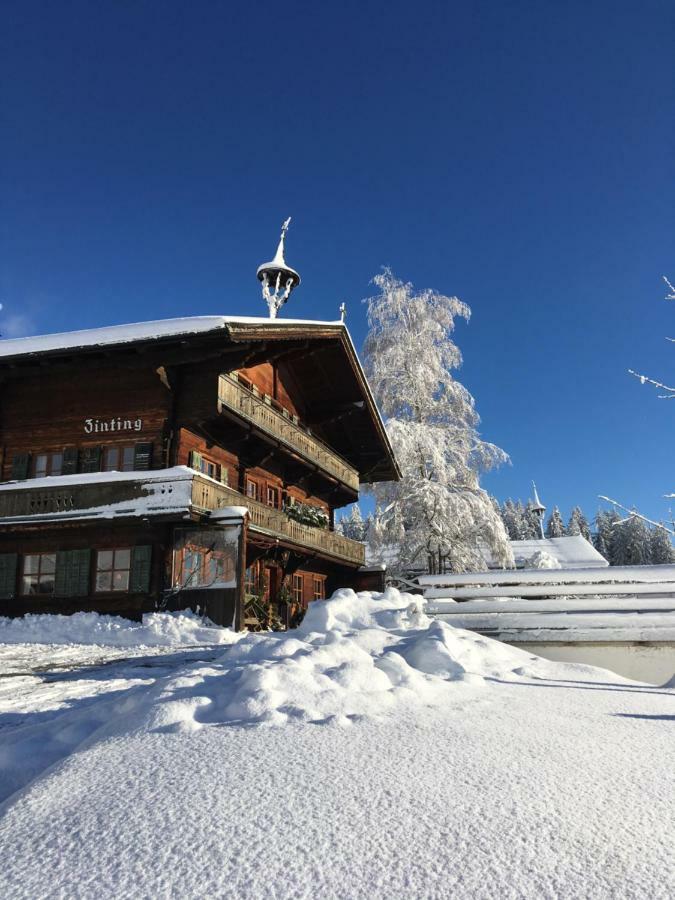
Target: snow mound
156, 630
543, 560
355, 656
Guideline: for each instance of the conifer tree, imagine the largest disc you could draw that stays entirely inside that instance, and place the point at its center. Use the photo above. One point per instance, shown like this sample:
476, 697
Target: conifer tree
555, 527
661, 546
578, 524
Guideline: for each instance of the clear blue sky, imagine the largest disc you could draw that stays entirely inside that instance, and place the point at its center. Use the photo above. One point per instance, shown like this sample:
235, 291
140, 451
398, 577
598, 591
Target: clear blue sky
517, 154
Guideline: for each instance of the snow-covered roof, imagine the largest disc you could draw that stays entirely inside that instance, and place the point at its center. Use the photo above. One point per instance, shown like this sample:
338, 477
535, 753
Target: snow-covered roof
139, 331
571, 551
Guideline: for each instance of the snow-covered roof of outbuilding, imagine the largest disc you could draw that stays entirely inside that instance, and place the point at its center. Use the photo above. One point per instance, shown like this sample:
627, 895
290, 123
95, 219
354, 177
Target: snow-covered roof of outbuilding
110, 335
571, 551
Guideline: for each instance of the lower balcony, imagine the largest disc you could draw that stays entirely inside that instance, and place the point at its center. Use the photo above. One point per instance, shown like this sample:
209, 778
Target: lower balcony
176, 494
209, 495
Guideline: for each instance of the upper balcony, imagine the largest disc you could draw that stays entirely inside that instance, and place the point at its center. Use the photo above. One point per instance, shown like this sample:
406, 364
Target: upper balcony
170, 495
279, 426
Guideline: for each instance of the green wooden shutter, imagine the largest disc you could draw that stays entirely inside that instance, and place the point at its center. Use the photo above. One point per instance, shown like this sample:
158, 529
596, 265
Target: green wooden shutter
142, 456
72, 573
90, 459
80, 572
61, 575
8, 564
141, 559
20, 466
195, 460
70, 456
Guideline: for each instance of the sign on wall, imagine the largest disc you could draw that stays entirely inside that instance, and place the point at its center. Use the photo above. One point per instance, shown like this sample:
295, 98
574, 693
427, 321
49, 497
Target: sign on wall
98, 426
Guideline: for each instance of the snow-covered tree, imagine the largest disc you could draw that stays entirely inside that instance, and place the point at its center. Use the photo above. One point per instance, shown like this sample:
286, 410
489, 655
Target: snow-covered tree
602, 536
437, 516
511, 519
578, 524
555, 526
631, 544
531, 520
353, 525
661, 546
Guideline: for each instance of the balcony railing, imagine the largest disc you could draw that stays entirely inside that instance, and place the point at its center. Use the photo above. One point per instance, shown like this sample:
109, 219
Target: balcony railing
208, 495
170, 494
254, 409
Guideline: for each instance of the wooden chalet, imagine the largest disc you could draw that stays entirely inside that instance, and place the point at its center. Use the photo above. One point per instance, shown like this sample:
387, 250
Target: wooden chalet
190, 462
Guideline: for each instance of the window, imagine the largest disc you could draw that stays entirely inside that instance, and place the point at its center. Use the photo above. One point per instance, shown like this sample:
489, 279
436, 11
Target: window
119, 459
201, 464
297, 589
128, 459
209, 468
273, 497
252, 579
47, 464
205, 557
38, 573
251, 489
112, 569
319, 589
111, 459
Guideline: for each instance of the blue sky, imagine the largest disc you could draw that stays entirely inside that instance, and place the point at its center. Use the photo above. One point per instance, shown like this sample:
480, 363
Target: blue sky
519, 155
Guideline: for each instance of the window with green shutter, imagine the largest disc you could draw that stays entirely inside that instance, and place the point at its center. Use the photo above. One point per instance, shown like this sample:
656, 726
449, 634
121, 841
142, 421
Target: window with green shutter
141, 559
72, 573
8, 565
142, 456
90, 459
195, 460
20, 466
70, 458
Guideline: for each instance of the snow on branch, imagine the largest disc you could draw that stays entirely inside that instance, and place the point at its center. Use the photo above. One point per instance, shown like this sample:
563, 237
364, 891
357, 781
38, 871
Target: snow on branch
644, 379
671, 289
633, 514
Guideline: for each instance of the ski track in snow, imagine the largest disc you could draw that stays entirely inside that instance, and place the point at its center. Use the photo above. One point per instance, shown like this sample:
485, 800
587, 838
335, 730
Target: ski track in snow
372, 753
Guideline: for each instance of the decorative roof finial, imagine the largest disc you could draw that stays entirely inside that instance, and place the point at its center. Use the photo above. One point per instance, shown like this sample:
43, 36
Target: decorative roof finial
278, 279
343, 311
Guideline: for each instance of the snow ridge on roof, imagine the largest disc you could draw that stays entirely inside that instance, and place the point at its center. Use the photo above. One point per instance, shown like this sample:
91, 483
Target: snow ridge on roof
123, 334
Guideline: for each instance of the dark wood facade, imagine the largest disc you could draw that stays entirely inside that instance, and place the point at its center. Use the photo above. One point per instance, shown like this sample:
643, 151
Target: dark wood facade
271, 420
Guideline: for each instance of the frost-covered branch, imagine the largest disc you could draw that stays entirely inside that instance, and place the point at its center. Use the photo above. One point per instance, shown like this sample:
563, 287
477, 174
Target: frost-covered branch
633, 514
671, 295
644, 379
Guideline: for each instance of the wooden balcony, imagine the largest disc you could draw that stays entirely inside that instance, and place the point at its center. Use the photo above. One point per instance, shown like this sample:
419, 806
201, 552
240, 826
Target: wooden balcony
209, 495
238, 399
164, 494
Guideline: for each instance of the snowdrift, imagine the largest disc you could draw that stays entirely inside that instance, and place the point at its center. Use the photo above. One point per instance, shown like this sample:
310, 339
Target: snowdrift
156, 630
356, 657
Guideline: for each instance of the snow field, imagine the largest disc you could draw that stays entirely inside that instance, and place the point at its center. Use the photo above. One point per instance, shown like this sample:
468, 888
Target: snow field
371, 753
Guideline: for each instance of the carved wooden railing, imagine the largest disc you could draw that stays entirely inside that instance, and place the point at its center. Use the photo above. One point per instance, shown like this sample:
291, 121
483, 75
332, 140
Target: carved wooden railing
208, 495
254, 409
161, 492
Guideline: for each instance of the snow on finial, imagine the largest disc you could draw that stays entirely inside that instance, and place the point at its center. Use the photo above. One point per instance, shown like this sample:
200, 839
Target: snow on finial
279, 255
278, 279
